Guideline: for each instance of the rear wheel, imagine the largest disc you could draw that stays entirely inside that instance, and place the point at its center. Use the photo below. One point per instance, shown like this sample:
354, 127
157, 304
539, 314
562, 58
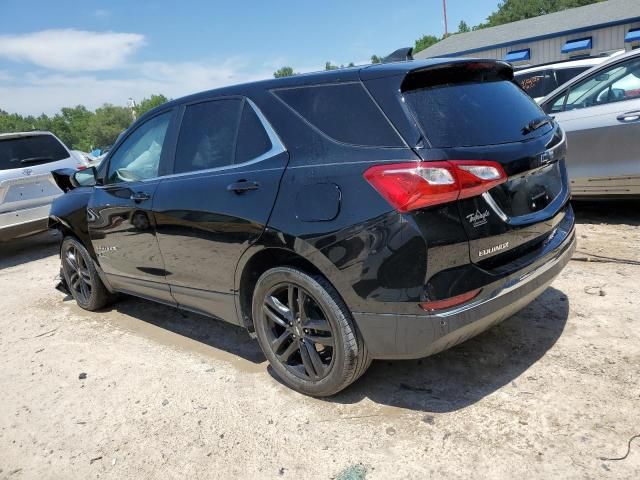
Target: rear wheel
306, 332
81, 276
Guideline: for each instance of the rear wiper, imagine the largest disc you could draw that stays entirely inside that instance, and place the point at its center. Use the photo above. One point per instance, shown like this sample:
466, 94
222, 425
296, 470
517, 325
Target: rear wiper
35, 159
536, 124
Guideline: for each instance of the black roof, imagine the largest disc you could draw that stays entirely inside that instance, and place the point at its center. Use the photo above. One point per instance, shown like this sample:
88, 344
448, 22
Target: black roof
347, 74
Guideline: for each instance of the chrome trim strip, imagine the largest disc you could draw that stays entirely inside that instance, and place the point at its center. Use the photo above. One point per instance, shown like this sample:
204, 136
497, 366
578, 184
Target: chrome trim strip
277, 147
513, 284
494, 206
563, 194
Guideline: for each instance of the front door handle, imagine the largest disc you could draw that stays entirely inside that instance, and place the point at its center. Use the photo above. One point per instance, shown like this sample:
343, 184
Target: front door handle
243, 186
629, 116
140, 197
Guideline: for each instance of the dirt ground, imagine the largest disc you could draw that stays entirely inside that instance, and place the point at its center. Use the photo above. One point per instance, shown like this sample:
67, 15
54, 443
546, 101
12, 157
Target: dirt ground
550, 393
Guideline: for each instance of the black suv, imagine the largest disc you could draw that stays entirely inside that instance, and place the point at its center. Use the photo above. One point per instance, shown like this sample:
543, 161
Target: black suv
387, 211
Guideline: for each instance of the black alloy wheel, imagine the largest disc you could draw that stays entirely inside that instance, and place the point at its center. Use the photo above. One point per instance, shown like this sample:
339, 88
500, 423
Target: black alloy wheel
81, 276
300, 335
77, 273
307, 332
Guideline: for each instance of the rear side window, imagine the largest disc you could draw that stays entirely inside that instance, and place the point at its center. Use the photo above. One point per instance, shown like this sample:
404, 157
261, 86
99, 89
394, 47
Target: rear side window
219, 133
345, 112
29, 151
473, 113
208, 135
253, 140
537, 84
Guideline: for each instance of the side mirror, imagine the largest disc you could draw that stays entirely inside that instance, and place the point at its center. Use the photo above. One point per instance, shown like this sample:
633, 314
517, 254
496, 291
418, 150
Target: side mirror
87, 177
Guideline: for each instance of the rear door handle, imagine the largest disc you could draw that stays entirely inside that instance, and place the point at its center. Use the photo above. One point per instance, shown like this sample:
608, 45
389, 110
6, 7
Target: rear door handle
140, 196
243, 186
629, 116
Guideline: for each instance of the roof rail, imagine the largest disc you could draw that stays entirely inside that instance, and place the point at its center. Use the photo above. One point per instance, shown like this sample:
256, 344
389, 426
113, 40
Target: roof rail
400, 55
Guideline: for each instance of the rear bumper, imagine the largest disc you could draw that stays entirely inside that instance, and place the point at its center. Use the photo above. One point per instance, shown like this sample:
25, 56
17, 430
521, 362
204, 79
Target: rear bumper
391, 336
20, 223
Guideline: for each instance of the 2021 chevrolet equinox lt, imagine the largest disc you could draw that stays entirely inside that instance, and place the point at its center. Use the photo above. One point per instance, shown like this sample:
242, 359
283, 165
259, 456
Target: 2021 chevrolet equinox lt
388, 211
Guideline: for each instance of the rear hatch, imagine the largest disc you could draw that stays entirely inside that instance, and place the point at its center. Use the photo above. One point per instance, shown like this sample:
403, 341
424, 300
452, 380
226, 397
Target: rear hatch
473, 111
26, 161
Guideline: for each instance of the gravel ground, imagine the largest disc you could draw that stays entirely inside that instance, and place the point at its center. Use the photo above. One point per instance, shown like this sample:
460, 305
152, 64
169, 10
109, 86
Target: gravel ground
145, 391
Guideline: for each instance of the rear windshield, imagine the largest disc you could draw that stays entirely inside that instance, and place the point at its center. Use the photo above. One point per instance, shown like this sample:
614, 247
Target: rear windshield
537, 84
474, 113
28, 151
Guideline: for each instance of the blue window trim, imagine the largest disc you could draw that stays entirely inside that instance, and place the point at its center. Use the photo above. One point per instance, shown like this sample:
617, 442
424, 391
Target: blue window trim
577, 45
632, 35
518, 55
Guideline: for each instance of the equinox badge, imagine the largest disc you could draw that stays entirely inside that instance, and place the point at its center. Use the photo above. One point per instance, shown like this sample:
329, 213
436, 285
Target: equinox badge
497, 248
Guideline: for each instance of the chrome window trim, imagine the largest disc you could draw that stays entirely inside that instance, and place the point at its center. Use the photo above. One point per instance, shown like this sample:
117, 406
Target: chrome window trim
277, 147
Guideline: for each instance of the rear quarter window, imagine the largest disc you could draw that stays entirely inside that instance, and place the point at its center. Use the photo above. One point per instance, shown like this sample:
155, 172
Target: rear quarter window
344, 112
31, 150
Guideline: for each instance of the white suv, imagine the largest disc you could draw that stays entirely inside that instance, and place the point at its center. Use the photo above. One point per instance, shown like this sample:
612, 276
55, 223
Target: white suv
541, 80
26, 185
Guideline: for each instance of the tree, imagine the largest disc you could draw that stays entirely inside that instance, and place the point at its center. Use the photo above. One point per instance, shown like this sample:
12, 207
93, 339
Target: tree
107, 123
284, 72
425, 42
71, 126
463, 27
376, 59
514, 10
329, 66
147, 104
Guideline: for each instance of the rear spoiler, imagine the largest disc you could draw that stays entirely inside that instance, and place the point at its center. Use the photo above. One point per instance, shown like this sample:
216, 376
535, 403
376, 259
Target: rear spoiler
400, 55
471, 70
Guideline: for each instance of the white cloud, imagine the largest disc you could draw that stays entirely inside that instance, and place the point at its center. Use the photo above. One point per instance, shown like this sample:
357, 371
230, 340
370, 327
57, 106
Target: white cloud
71, 50
38, 93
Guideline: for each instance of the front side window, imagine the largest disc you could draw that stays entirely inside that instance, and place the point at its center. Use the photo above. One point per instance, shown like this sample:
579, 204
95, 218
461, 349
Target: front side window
618, 83
219, 133
563, 75
138, 158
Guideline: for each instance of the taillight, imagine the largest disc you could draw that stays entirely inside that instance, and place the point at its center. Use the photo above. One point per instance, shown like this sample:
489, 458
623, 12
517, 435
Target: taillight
409, 186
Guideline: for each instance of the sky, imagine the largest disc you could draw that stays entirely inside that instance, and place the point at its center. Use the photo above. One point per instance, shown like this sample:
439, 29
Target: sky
62, 53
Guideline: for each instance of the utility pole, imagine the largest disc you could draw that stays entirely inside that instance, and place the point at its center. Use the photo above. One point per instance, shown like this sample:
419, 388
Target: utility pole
444, 9
131, 104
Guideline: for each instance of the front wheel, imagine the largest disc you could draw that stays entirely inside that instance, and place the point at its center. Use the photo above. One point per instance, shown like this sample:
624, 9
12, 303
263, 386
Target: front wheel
81, 276
306, 332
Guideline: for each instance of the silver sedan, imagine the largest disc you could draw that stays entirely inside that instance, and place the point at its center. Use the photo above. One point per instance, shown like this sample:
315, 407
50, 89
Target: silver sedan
600, 112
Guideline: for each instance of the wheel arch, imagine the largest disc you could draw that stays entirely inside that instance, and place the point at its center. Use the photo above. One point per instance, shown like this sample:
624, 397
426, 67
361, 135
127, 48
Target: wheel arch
261, 258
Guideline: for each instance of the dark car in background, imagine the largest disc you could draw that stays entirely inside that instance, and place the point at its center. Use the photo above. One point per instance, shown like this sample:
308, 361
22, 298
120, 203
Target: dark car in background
388, 211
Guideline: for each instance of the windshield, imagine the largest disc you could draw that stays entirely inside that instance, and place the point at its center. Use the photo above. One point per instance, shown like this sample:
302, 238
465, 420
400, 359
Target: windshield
30, 150
475, 113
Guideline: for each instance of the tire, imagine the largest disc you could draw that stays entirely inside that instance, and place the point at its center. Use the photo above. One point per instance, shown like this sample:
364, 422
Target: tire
317, 349
81, 276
